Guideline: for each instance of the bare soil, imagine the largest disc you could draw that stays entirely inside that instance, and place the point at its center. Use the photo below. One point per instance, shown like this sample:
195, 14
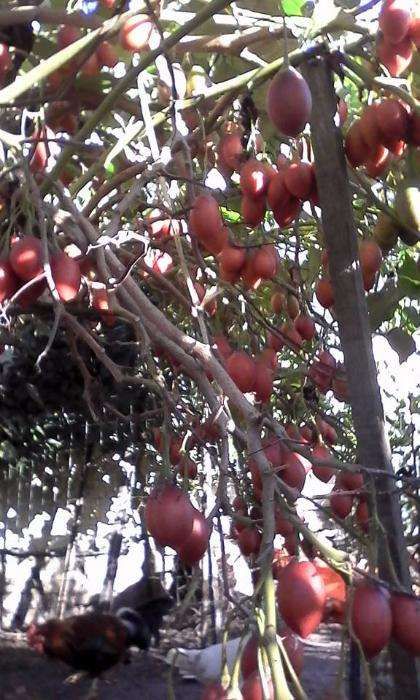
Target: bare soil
24, 674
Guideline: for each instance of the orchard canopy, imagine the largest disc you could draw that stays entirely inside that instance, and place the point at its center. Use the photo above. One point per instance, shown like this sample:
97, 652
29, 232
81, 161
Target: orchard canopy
208, 210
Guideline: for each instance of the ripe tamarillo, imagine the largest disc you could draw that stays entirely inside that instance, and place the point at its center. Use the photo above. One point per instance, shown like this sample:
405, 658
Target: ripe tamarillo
263, 382
395, 57
406, 622
249, 541
8, 281
26, 258
301, 597
195, 546
252, 689
394, 20
393, 121
305, 326
357, 150
289, 102
206, 223
231, 151
324, 292
341, 504
66, 275
169, 515
214, 691
322, 454
232, 258
135, 33
253, 210
241, 368
254, 179
299, 179
265, 262
371, 618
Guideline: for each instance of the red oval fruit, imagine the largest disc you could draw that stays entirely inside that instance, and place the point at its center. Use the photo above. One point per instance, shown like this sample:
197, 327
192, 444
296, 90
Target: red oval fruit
324, 292
265, 262
232, 258
252, 689
322, 454
195, 546
249, 541
294, 473
294, 649
284, 215
369, 126
278, 301
249, 658
299, 179
254, 179
275, 341
8, 281
301, 597
223, 346
169, 515
282, 524
26, 258
293, 339
350, 481
371, 618
341, 504
231, 151
379, 163
277, 194
214, 691
268, 357
66, 275
336, 593
289, 102
90, 65
362, 516
370, 256
135, 33
253, 210
406, 622
293, 307
357, 150
106, 55
187, 467
305, 326
414, 31
263, 382
395, 57
206, 223
5, 60
67, 35
241, 369
393, 120
394, 20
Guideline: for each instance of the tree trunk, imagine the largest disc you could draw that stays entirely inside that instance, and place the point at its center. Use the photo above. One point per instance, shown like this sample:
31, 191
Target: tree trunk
356, 342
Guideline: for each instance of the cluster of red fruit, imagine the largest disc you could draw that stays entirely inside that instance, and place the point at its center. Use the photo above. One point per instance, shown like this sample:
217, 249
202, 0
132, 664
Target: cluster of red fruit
400, 32
25, 263
381, 133
370, 256
174, 522
134, 37
307, 592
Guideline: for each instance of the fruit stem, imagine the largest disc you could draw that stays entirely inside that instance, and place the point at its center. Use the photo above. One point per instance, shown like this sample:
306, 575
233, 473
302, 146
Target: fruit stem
281, 690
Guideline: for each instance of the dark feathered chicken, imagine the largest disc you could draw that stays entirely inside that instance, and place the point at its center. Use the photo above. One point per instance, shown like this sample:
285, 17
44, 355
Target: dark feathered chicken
149, 599
93, 642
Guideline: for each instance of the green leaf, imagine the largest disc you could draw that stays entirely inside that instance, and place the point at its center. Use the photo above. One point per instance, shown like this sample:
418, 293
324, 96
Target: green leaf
382, 304
292, 7
402, 342
409, 278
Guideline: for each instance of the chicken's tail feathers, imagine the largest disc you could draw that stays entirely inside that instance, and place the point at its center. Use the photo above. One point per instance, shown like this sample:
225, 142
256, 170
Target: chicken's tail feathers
138, 631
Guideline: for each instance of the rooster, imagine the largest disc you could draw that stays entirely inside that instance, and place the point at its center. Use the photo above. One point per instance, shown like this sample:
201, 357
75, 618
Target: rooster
91, 643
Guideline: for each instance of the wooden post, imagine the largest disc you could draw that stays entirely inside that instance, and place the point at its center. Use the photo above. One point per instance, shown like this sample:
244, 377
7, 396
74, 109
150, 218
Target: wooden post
356, 342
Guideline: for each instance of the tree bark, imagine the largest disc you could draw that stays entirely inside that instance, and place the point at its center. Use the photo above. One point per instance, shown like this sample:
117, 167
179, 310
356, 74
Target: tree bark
356, 342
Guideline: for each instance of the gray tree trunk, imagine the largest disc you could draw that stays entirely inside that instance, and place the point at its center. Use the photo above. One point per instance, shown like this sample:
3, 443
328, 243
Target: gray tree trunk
356, 342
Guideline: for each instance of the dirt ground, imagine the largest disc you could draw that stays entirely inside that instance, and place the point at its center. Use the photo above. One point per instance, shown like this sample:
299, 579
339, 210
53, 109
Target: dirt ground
24, 674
